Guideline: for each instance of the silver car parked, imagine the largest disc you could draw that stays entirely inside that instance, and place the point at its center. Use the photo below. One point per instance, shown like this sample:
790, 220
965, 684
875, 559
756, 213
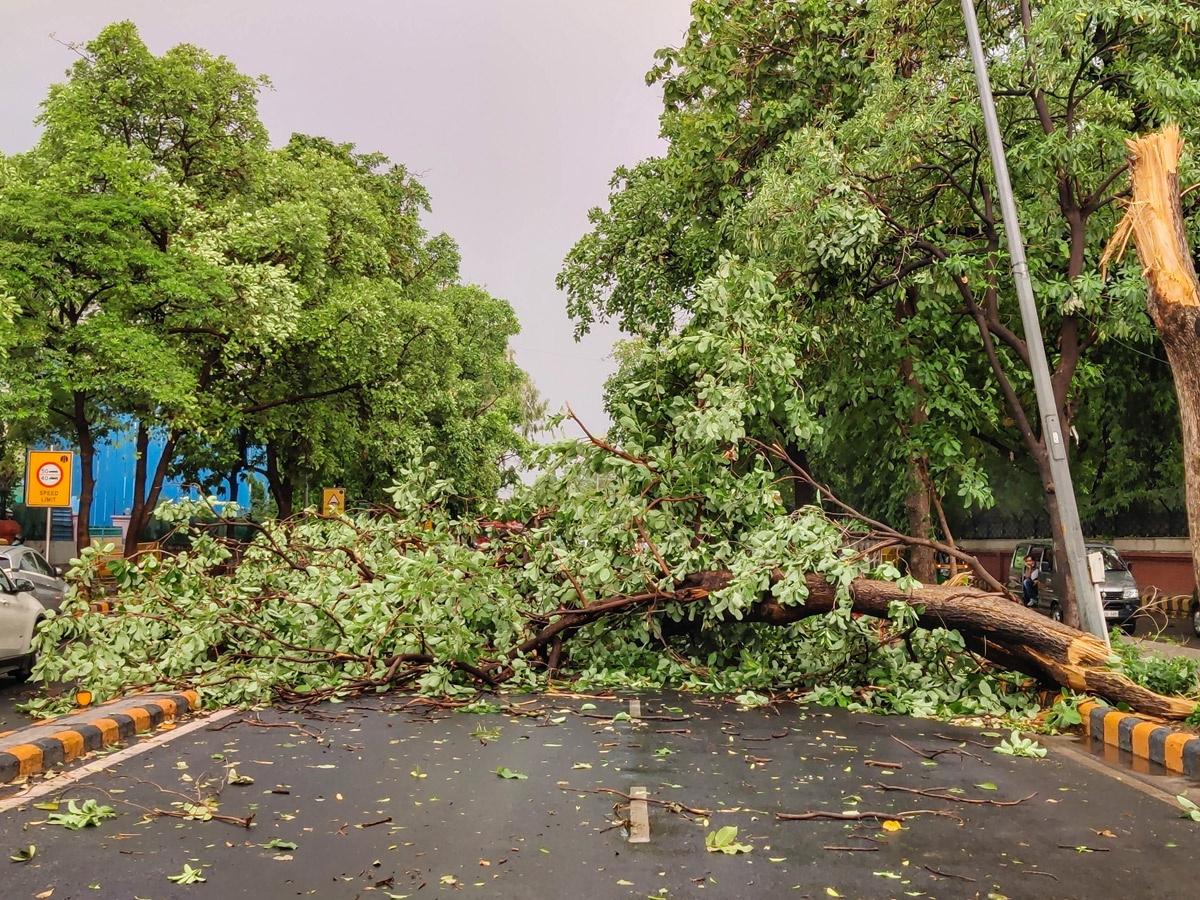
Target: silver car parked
1119, 592
21, 561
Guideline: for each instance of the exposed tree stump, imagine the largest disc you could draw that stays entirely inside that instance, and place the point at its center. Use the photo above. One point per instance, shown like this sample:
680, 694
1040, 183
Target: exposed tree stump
1154, 218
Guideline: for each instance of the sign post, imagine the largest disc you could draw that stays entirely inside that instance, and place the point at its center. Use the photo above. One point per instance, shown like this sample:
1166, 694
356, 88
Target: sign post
333, 501
48, 483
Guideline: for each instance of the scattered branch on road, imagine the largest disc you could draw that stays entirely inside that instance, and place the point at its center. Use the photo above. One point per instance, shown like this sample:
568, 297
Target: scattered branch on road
670, 805
855, 815
934, 871
953, 798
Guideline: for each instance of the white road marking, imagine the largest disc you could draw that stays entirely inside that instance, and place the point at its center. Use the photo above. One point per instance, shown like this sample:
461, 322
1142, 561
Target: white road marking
639, 816
635, 708
51, 785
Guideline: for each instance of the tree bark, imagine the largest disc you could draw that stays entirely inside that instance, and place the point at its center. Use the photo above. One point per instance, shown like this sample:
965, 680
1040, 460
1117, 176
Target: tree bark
141, 448
1155, 220
922, 561
143, 502
87, 475
282, 489
803, 493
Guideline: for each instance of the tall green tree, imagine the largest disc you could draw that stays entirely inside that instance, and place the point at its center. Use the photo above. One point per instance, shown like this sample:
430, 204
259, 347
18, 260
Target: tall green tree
842, 145
389, 358
279, 310
96, 242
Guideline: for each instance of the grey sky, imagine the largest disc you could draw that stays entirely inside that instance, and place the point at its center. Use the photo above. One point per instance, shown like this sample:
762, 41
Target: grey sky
512, 112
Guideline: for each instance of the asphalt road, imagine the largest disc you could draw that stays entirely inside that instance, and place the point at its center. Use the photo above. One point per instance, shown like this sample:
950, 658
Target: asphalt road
382, 799
13, 691
1175, 631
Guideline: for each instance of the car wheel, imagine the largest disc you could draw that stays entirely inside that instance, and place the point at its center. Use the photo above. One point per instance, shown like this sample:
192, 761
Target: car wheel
1196, 618
1129, 627
1056, 612
25, 670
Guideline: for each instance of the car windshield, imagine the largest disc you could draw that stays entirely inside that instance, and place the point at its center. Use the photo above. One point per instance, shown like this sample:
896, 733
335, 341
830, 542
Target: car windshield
1112, 560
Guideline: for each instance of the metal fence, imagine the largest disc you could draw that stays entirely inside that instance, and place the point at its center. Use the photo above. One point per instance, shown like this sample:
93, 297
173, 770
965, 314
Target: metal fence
1134, 523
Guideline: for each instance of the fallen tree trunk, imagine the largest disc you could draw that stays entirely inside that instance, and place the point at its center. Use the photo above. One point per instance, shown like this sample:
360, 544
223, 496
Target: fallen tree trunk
1000, 630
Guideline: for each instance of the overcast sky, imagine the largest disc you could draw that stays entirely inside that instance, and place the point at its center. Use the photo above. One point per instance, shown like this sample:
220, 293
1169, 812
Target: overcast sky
513, 113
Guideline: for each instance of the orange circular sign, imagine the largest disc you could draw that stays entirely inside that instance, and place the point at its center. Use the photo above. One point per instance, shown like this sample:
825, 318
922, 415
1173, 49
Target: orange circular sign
49, 474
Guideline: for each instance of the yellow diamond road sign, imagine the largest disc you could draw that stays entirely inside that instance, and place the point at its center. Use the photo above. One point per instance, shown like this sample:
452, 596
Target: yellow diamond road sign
48, 478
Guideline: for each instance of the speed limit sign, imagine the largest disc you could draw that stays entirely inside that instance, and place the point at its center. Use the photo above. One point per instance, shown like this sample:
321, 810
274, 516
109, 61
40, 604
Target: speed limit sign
48, 478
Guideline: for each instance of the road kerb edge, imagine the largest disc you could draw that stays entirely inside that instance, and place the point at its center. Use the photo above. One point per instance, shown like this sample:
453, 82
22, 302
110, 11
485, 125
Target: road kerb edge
1177, 752
35, 757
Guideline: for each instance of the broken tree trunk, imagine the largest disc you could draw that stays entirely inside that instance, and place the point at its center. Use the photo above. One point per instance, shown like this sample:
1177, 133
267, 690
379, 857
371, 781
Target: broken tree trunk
997, 628
1154, 218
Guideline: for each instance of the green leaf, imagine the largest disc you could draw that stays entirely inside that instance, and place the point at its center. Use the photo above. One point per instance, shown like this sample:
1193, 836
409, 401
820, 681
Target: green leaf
25, 854
188, 875
86, 815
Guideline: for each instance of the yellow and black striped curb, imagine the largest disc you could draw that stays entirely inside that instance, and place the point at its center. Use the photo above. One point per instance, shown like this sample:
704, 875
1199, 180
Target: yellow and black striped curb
1177, 606
1160, 744
104, 730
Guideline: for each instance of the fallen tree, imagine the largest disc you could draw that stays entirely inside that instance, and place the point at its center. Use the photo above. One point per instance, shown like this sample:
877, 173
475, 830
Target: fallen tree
323, 606
997, 628
660, 555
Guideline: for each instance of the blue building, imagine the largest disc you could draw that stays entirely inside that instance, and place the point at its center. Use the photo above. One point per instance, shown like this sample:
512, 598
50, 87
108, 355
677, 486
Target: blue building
112, 499
115, 460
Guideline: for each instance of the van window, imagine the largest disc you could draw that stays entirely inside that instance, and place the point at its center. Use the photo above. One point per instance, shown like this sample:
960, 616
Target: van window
1018, 560
1113, 561
1048, 562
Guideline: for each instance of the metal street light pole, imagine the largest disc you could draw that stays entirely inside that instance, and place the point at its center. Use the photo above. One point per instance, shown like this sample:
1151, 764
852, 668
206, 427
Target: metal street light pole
1091, 614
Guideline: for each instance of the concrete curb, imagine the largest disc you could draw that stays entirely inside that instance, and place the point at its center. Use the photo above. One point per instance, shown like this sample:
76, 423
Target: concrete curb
1176, 606
1146, 739
76, 739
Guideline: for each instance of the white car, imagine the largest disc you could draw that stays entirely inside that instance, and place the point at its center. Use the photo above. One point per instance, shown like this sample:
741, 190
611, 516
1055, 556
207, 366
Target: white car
22, 561
20, 612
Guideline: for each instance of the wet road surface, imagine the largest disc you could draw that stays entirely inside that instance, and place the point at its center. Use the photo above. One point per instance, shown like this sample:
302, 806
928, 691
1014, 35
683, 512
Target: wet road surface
391, 799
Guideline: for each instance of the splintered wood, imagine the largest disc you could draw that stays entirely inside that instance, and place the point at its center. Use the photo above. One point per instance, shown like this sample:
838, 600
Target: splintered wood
1153, 220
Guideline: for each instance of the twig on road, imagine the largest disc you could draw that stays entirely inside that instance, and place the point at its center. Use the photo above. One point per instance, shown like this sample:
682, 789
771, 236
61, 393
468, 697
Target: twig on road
673, 805
947, 874
933, 754
245, 822
1036, 872
382, 821
861, 815
953, 798
850, 849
